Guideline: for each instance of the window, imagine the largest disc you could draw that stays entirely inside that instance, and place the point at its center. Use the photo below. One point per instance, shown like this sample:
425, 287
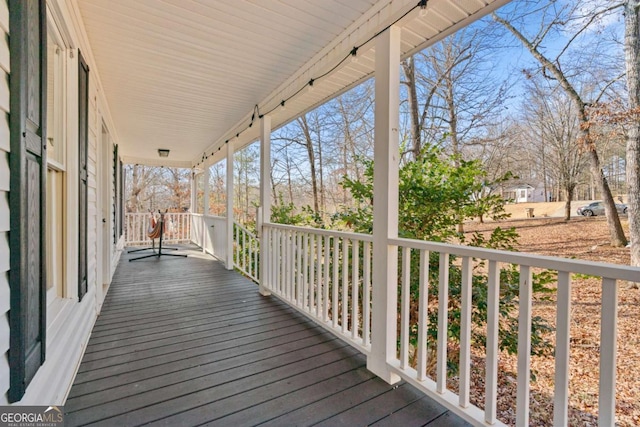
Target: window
56, 162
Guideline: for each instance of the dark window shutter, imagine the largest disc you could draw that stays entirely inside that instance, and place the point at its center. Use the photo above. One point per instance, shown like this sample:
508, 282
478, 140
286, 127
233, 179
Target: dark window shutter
121, 201
27, 197
114, 204
83, 137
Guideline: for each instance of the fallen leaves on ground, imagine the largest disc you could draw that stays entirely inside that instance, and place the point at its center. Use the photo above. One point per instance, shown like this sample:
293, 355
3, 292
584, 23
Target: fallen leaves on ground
587, 239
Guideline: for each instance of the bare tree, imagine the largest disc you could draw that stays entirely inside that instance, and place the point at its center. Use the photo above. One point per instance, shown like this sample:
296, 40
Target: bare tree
451, 91
139, 181
553, 68
554, 129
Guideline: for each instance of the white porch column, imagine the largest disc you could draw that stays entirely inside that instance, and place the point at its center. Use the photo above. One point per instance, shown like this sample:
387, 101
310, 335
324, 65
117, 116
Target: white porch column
206, 177
192, 207
265, 199
230, 216
385, 205
205, 208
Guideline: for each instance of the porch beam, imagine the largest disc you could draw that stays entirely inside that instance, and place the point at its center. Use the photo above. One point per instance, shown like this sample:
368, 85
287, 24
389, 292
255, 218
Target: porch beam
265, 200
385, 205
230, 195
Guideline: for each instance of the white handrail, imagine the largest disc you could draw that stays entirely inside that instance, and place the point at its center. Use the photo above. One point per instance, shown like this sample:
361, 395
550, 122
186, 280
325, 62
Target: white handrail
460, 404
246, 256
177, 228
326, 275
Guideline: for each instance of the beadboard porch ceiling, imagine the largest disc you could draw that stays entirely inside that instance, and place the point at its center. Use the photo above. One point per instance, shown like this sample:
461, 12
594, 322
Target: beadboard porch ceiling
186, 74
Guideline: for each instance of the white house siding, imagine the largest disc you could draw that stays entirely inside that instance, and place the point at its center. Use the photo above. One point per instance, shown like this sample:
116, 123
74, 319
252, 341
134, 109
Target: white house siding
4, 200
67, 338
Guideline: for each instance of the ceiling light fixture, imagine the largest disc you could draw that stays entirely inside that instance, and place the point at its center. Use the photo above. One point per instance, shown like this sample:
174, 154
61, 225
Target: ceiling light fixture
163, 152
423, 8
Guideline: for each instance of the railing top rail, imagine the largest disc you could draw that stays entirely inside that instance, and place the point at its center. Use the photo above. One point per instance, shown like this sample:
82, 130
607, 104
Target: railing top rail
610, 271
243, 228
221, 218
155, 212
322, 232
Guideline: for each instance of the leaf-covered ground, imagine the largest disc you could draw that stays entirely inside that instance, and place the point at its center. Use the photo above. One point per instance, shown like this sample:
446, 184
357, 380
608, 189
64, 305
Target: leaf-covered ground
583, 238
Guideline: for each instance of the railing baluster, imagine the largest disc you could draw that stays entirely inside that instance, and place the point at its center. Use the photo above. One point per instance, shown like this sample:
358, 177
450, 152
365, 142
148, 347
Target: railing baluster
563, 324
524, 346
493, 312
355, 286
345, 285
292, 266
319, 276
299, 291
285, 264
274, 259
336, 283
312, 276
326, 245
278, 284
244, 250
305, 271
608, 353
237, 246
443, 304
465, 333
423, 321
405, 299
366, 295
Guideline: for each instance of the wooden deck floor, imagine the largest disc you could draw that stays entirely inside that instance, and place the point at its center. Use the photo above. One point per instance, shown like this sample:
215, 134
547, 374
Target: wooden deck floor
184, 342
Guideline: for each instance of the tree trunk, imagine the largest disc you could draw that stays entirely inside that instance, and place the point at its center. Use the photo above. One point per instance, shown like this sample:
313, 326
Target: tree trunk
453, 119
613, 220
312, 161
410, 74
632, 59
321, 174
567, 204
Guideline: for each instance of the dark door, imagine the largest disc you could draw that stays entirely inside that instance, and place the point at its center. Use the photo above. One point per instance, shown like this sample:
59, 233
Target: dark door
27, 197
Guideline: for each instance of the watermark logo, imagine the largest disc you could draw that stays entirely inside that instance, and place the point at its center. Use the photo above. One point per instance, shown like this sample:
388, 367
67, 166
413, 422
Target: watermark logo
31, 416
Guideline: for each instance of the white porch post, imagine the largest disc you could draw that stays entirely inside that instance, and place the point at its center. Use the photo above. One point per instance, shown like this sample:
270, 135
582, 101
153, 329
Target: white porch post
385, 205
230, 216
205, 208
192, 208
265, 199
206, 174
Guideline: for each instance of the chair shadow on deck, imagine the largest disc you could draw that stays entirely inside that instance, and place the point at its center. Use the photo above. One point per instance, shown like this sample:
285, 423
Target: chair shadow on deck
183, 341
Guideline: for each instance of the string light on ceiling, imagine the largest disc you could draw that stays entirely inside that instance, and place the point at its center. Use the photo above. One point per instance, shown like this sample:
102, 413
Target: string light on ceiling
309, 86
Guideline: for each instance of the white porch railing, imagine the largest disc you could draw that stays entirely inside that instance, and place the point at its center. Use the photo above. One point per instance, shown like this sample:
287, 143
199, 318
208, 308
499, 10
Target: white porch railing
209, 232
327, 276
177, 228
246, 251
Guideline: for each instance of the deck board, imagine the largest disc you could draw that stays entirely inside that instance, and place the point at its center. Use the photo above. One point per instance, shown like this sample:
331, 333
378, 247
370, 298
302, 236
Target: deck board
183, 341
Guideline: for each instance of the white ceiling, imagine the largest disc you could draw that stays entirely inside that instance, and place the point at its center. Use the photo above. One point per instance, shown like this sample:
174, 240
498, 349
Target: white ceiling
186, 74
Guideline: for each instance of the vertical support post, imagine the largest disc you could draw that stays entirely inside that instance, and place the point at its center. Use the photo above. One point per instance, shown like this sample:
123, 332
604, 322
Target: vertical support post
265, 198
608, 353
207, 177
205, 209
230, 195
192, 208
385, 207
